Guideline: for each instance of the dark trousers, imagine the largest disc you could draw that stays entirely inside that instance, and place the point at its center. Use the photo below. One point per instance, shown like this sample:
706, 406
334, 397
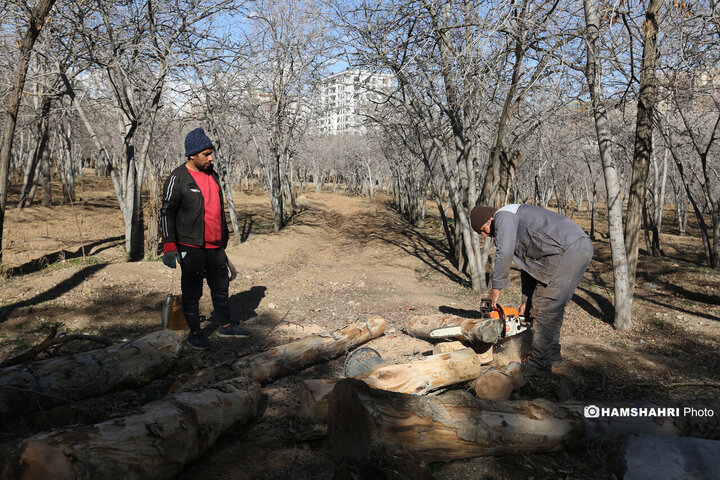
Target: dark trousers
211, 264
546, 303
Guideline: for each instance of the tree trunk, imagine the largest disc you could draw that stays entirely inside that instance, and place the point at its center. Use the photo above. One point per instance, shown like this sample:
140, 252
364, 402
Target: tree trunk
364, 422
427, 374
45, 178
643, 139
623, 294
155, 444
281, 360
37, 19
266, 366
52, 382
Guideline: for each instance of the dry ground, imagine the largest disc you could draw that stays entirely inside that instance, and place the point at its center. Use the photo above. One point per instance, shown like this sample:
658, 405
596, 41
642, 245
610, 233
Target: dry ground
340, 260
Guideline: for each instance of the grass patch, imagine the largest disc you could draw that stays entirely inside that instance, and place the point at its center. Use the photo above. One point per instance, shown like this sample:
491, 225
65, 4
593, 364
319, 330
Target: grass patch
661, 324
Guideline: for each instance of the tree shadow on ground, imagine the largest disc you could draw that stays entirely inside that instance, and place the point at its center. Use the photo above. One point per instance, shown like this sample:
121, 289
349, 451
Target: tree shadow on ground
54, 292
389, 227
38, 264
595, 305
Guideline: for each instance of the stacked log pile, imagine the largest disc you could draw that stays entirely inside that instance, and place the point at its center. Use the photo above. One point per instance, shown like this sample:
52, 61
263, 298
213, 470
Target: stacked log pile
388, 412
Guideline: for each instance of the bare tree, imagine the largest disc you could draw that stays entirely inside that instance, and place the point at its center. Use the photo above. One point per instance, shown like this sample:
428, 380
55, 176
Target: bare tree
643, 138
288, 52
623, 295
37, 16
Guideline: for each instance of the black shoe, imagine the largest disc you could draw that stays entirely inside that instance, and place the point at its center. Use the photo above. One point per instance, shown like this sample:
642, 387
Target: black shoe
198, 340
528, 370
233, 330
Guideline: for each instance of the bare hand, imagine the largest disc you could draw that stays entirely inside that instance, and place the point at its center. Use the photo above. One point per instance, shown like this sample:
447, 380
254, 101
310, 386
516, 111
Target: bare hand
521, 310
494, 297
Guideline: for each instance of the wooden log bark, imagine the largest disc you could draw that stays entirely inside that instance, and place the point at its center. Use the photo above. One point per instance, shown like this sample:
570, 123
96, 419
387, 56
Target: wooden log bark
426, 374
48, 383
421, 325
366, 422
472, 330
291, 357
155, 444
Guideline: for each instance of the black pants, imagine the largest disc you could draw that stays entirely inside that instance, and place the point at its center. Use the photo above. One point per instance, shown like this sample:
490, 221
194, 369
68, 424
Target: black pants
199, 263
548, 302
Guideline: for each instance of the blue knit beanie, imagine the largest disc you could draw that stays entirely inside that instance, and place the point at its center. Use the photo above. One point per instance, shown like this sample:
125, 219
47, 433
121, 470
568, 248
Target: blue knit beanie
196, 141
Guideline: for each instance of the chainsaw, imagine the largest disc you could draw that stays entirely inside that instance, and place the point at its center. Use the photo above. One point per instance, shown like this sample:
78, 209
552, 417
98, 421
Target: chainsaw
494, 324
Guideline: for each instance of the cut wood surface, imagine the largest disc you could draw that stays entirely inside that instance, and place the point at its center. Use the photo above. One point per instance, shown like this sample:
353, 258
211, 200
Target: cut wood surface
48, 383
314, 394
426, 374
155, 444
294, 356
366, 422
494, 384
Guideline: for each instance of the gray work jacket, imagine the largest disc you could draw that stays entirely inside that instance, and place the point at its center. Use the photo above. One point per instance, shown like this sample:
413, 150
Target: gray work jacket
534, 238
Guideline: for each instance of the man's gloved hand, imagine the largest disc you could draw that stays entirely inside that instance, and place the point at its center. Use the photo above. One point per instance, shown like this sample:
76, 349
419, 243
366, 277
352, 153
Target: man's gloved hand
170, 258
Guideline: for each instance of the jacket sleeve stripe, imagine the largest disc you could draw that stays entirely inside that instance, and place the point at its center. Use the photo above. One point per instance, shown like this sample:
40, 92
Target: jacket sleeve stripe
171, 185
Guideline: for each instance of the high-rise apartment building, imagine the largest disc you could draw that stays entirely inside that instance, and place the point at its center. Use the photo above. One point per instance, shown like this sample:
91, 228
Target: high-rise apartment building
343, 97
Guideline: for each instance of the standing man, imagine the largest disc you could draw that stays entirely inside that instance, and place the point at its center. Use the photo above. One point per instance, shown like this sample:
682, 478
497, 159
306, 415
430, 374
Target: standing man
195, 233
553, 252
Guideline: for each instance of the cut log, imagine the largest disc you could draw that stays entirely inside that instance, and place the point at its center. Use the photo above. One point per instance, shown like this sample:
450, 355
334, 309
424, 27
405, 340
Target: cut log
48, 383
266, 366
426, 374
366, 422
291, 357
445, 347
493, 385
155, 444
314, 395
496, 385
472, 330
421, 325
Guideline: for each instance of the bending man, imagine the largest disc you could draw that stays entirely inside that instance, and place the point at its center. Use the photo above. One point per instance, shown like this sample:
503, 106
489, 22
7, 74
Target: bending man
553, 252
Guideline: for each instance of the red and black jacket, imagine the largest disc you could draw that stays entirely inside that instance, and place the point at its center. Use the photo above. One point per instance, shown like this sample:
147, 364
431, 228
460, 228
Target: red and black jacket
182, 218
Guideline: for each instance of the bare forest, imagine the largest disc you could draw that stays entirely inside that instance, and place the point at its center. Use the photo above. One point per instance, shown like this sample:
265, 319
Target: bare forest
352, 139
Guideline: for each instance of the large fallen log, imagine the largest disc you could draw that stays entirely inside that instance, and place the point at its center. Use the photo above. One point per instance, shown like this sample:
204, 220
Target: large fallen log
366, 422
428, 373
155, 444
419, 377
291, 357
48, 383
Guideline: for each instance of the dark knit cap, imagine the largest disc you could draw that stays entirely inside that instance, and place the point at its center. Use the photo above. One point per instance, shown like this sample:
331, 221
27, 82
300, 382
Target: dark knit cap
196, 141
479, 216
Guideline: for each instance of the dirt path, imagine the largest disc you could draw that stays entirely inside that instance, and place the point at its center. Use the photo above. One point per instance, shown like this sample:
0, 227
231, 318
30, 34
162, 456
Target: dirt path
340, 260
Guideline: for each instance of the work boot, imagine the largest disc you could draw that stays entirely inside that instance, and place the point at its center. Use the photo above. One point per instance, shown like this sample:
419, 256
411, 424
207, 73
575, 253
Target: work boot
557, 361
233, 330
529, 371
196, 339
